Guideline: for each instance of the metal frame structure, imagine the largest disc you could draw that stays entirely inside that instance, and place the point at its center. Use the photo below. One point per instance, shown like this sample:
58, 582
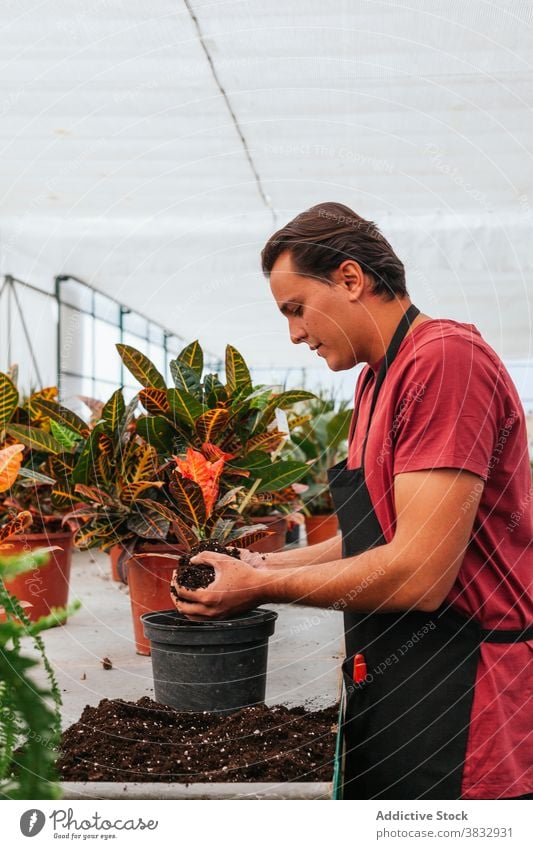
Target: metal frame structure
8, 288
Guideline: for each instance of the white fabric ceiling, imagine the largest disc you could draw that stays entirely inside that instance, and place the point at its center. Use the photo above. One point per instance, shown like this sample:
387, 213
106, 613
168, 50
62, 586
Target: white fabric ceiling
150, 146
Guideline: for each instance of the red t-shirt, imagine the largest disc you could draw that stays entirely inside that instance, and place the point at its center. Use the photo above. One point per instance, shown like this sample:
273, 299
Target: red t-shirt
448, 402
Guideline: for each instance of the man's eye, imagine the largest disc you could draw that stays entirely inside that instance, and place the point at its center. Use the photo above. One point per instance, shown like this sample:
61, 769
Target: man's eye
297, 311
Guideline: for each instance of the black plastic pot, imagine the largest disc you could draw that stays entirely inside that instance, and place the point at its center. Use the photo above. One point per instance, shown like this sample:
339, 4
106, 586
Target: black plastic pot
216, 665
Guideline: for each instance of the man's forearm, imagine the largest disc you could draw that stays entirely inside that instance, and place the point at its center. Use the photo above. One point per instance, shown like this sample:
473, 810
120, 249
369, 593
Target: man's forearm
310, 555
373, 580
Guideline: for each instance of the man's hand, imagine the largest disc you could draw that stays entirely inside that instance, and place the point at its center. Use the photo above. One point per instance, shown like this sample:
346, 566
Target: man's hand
236, 589
254, 559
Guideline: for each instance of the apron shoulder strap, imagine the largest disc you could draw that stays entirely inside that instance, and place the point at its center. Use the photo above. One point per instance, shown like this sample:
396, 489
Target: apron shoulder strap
399, 335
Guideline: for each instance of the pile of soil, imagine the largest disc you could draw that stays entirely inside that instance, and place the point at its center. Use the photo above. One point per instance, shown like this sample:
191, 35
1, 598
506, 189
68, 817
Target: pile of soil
195, 576
147, 741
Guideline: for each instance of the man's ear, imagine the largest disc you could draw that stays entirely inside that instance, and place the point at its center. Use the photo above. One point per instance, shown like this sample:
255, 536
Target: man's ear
351, 276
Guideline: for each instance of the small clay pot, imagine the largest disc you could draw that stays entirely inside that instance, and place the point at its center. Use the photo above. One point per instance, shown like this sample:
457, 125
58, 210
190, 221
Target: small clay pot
275, 541
45, 586
149, 583
321, 527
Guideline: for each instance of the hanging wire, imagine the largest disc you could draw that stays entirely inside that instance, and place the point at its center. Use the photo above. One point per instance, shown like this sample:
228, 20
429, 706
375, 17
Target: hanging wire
238, 128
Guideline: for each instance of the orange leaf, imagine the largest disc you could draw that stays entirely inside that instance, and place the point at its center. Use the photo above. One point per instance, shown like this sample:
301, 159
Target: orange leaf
10, 462
197, 468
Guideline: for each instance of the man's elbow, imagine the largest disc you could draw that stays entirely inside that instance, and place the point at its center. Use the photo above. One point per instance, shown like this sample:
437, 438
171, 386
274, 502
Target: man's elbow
428, 604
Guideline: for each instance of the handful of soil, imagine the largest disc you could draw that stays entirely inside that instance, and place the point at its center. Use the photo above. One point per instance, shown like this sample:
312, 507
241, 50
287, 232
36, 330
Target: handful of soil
147, 741
194, 576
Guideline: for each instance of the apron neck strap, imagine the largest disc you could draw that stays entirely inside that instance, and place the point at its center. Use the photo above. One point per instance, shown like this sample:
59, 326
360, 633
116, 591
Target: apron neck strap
399, 335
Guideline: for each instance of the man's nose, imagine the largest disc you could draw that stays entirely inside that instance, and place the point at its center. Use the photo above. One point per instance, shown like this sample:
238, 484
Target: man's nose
297, 332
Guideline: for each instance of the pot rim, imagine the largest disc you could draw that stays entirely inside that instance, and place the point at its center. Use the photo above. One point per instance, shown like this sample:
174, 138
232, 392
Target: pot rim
42, 536
243, 620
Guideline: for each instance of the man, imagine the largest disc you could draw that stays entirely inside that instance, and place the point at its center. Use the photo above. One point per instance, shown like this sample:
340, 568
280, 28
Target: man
435, 504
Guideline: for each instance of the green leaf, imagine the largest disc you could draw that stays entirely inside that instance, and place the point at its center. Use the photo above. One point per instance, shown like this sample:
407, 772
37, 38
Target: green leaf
67, 438
141, 367
9, 398
113, 412
237, 374
284, 400
184, 406
279, 475
83, 469
215, 391
60, 415
338, 428
253, 460
185, 378
158, 432
12, 565
193, 357
34, 438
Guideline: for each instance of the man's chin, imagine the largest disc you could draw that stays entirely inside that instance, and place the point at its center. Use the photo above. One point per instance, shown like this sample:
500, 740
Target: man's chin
336, 364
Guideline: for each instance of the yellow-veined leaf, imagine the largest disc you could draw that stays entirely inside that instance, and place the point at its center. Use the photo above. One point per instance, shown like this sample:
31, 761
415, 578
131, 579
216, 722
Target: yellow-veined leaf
284, 401
193, 357
211, 424
237, 374
154, 401
269, 441
113, 411
9, 398
92, 494
105, 444
184, 406
141, 367
58, 414
35, 438
148, 524
131, 491
184, 533
189, 498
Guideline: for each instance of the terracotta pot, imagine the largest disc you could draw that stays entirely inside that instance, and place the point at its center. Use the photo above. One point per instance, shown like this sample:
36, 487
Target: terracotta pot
46, 586
276, 540
320, 528
149, 583
119, 555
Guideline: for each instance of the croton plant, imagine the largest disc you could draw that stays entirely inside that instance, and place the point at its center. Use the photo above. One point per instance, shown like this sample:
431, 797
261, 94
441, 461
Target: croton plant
130, 473
52, 439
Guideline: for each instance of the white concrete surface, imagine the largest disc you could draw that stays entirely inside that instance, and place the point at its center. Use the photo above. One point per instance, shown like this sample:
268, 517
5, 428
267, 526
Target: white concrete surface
304, 653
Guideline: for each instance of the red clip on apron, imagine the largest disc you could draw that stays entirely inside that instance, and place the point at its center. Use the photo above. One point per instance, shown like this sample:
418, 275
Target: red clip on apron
406, 724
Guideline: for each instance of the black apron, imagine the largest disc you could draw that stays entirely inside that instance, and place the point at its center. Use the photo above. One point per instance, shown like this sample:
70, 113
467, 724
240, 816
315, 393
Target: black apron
406, 725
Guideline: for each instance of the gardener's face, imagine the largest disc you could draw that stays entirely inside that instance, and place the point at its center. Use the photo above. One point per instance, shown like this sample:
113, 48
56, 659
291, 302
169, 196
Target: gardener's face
324, 316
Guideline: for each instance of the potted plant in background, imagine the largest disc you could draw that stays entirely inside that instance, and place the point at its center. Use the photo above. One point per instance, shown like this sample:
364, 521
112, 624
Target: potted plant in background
30, 727
319, 438
213, 665
52, 437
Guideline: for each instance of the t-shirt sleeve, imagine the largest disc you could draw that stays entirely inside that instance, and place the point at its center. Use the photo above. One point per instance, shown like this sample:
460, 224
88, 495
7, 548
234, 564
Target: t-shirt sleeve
449, 412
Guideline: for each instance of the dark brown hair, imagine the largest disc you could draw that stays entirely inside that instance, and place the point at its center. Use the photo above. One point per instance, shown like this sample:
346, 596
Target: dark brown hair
322, 237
